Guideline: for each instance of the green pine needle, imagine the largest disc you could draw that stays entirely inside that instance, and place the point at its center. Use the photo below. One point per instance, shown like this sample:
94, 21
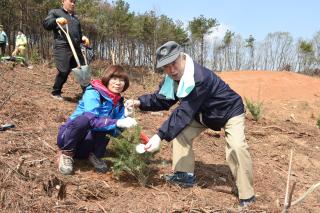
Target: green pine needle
127, 160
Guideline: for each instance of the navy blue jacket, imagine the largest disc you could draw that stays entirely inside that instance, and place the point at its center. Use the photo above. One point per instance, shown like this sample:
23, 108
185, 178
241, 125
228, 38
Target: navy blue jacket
212, 102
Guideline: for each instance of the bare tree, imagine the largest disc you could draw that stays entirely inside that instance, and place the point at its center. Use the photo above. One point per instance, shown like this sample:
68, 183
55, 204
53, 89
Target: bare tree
316, 46
275, 51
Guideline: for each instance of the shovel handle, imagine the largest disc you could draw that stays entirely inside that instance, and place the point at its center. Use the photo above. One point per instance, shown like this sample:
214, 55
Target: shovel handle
70, 44
84, 53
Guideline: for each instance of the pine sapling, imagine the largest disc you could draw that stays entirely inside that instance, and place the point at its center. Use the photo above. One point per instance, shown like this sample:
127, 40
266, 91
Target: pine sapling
255, 108
127, 160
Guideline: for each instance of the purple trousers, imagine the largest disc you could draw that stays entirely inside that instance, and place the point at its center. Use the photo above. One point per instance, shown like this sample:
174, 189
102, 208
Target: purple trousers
77, 136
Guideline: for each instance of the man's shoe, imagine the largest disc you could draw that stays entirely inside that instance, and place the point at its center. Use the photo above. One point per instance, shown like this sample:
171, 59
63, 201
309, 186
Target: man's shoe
98, 164
57, 97
65, 164
181, 178
247, 202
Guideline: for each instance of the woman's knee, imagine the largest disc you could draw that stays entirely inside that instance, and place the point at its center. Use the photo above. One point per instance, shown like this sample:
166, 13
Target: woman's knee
81, 122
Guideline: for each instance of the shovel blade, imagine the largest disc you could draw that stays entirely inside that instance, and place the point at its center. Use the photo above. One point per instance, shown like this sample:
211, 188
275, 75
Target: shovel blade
82, 75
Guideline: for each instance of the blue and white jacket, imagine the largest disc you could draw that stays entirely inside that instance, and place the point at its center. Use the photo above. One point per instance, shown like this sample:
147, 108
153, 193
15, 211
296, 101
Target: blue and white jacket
3, 37
99, 108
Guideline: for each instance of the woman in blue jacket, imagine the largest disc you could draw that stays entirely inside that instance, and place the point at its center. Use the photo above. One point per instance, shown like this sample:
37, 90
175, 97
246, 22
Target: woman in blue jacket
99, 112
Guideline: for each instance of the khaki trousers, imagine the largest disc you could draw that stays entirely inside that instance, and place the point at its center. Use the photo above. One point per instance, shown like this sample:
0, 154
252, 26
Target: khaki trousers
19, 52
237, 154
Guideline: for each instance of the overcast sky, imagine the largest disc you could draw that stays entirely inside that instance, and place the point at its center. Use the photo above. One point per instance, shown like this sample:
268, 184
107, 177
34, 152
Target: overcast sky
301, 18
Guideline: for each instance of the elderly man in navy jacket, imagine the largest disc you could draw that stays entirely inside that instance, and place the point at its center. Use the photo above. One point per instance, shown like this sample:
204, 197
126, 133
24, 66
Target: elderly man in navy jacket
205, 101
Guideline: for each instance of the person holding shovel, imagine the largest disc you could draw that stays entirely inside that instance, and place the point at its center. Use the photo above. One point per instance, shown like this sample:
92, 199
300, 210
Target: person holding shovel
100, 111
62, 52
205, 101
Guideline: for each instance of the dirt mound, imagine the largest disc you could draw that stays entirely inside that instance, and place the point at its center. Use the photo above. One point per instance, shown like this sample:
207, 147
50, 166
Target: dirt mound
270, 85
31, 183
285, 95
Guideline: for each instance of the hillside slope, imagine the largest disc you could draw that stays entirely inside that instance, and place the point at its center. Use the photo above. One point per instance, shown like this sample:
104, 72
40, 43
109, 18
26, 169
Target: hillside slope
31, 183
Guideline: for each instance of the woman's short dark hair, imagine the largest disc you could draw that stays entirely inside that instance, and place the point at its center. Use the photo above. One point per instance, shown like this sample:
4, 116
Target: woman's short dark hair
115, 71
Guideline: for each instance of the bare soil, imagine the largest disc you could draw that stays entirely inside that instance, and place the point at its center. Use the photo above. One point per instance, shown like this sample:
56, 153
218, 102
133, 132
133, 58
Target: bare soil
30, 182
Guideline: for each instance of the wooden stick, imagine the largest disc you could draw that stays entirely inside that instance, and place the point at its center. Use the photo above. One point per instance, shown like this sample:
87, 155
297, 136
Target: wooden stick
311, 189
14, 170
36, 161
22, 159
286, 206
101, 207
291, 193
45, 143
161, 192
70, 44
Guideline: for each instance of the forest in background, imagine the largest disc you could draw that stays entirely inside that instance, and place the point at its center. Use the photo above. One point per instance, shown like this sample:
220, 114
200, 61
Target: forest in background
134, 37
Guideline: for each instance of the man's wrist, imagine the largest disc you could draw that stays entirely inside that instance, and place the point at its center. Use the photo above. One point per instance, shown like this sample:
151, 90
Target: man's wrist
160, 135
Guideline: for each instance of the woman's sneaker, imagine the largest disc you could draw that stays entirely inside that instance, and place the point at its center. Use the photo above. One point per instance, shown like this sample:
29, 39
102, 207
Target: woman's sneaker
181, 178
98, 164
65, 163
57, 97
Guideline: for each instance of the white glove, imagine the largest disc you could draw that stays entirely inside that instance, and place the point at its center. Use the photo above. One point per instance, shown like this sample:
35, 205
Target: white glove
128, 111
126, 122
153, 144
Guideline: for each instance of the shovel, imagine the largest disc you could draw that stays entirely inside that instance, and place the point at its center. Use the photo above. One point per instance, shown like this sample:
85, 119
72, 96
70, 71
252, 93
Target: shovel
82, 74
